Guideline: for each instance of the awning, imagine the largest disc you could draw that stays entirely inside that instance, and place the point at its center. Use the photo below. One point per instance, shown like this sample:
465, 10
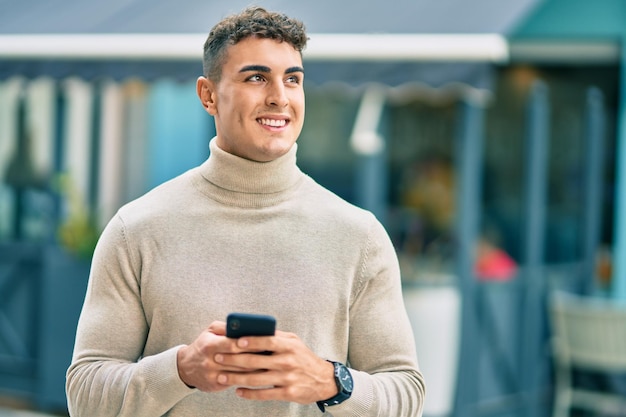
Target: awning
353, 59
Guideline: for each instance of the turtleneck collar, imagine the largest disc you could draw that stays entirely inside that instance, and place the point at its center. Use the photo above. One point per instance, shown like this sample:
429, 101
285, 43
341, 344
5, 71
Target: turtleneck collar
240, 181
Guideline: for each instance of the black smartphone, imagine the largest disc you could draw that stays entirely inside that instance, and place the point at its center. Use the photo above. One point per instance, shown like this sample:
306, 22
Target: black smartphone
246, 324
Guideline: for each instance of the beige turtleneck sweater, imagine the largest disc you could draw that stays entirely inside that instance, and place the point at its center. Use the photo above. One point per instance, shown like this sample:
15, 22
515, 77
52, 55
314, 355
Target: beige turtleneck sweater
236, 235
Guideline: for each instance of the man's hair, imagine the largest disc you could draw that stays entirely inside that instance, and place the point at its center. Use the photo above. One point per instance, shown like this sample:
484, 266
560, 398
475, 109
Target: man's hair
252, 21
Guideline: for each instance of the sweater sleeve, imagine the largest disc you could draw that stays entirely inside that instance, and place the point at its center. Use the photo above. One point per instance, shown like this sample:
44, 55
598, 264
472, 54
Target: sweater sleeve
382, 357
108, 375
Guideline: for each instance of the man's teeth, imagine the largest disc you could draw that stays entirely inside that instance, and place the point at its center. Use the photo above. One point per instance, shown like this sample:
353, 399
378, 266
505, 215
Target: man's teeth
273, 122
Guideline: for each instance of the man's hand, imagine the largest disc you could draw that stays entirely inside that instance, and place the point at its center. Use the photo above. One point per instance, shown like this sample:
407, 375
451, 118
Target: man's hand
291, 373
196, 362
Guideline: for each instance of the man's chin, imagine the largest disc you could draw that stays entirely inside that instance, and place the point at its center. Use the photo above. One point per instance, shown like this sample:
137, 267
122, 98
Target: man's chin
275, 148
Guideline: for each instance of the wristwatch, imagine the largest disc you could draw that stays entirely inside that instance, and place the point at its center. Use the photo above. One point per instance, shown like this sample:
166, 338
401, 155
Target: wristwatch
344, 382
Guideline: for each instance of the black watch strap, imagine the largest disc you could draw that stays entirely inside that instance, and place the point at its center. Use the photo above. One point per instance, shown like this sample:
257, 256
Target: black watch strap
344, 382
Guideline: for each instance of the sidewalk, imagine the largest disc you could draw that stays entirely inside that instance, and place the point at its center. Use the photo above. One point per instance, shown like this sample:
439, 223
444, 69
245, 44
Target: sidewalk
9, 412
16, 407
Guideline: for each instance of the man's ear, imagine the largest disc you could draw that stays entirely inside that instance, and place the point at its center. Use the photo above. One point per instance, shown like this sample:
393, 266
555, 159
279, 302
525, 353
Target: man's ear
205, 89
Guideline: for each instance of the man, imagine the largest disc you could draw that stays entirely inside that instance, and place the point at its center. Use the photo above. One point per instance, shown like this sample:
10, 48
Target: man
246, 231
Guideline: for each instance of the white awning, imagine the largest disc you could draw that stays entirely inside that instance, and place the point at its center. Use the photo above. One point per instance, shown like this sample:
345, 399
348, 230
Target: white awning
333, 47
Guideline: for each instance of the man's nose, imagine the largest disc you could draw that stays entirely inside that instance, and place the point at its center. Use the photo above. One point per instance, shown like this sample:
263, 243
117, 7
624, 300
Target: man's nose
277, 95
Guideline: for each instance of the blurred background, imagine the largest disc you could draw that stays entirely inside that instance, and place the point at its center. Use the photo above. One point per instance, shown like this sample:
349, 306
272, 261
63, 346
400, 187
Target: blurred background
487, 136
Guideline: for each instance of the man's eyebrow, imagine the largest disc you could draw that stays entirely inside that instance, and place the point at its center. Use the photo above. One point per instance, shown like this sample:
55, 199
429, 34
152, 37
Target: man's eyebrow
291, 70
263, 68
257, 68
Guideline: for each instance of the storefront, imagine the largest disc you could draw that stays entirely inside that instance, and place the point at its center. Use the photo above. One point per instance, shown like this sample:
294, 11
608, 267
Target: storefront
462, 146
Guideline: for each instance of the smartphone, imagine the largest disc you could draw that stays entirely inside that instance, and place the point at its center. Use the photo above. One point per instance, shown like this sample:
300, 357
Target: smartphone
245, 324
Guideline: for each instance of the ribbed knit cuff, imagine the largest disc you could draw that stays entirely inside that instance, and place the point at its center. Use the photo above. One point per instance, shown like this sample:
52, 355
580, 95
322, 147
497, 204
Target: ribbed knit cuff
161, 377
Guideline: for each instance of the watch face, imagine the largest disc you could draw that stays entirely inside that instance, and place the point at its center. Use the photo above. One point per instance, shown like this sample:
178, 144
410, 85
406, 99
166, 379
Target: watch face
345, 379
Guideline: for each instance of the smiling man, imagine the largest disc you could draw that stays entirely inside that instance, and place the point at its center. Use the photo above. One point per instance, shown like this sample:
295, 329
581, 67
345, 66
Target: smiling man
258, 100
246, 231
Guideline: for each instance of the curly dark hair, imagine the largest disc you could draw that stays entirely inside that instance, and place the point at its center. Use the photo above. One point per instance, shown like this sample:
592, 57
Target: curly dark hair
252, 21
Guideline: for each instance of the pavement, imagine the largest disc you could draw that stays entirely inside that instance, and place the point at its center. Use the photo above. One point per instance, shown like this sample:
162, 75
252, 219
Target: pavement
10, 407
9, 412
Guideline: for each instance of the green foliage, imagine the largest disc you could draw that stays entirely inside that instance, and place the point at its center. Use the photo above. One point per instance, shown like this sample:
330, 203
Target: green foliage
79, 233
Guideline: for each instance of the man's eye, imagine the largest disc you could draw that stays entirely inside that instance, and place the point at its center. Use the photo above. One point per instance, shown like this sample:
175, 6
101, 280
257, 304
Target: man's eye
294, 79
256, 78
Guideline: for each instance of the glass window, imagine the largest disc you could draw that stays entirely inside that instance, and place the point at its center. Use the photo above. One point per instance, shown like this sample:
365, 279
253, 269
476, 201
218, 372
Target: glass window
324, 150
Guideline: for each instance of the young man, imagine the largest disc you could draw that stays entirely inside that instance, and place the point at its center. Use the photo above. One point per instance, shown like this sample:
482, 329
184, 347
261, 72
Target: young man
246, 231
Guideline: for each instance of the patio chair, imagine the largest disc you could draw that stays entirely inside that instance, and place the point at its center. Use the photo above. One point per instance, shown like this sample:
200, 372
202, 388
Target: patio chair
589, 334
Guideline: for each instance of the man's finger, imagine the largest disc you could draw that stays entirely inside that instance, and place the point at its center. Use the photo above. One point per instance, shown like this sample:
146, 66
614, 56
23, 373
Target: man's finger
218, 328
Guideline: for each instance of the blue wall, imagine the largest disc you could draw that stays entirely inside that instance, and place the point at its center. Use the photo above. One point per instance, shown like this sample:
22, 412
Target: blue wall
179, 130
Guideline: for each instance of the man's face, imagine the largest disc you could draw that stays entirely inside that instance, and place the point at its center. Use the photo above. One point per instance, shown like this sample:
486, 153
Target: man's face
258, 104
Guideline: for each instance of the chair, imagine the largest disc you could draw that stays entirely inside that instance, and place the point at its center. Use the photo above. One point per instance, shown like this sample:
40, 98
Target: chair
589, 334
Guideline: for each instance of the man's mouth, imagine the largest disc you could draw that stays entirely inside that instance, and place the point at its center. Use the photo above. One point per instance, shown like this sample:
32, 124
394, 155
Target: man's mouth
272, 122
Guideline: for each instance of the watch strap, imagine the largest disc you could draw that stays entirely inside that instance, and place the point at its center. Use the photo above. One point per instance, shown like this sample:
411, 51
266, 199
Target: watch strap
342, 393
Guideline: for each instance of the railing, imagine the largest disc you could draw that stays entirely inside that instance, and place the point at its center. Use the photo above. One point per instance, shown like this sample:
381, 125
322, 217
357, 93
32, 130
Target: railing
41, 294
